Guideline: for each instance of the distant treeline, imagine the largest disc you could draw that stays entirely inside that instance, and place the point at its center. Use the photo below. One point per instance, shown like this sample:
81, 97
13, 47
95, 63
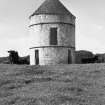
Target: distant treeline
83, 57
14, 58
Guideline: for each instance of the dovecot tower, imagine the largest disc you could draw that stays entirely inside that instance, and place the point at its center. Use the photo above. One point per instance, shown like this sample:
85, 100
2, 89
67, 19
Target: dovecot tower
52, 30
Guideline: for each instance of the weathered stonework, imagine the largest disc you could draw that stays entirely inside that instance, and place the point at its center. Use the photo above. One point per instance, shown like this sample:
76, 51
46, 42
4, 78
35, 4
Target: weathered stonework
40, 34
40, 26
52, 55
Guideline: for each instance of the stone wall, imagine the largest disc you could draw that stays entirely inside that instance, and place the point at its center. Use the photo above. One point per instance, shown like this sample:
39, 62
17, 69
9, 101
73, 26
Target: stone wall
40, 35
43, 18
52, 55
40, 39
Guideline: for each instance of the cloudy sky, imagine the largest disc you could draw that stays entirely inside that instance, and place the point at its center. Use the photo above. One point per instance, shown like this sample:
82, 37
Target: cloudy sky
90, 24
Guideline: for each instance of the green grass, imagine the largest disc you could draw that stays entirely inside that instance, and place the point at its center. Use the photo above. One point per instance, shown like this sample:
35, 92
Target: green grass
52, 85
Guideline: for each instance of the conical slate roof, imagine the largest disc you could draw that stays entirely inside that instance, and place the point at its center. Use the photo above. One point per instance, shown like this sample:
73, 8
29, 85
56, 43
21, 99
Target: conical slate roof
52, 7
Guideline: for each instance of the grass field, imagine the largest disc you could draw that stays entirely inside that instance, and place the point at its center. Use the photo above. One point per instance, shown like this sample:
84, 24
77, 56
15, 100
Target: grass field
52, 85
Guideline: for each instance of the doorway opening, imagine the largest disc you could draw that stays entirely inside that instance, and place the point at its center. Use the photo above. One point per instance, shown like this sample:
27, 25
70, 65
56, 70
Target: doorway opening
37, 57
53, 36
69, 57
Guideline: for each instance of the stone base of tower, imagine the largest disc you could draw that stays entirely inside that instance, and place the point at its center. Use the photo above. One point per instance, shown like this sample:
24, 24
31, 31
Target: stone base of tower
52, 55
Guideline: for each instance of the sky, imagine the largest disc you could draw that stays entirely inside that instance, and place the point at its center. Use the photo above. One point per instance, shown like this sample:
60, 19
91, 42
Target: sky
14, 22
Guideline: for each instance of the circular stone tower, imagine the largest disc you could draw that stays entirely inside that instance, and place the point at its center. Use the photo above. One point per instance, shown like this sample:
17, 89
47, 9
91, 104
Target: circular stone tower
52, 30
